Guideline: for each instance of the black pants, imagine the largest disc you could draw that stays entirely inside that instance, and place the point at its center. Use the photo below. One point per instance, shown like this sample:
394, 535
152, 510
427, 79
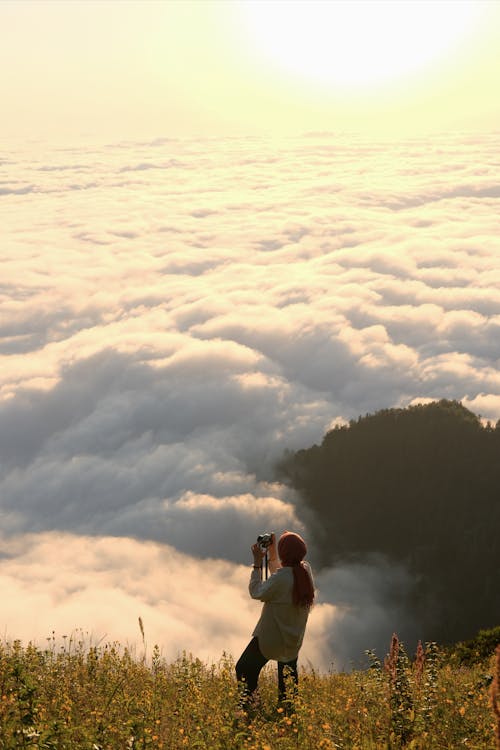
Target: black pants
250, 663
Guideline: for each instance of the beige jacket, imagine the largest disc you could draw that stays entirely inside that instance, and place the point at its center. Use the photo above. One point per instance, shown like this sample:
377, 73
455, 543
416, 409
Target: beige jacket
280, 630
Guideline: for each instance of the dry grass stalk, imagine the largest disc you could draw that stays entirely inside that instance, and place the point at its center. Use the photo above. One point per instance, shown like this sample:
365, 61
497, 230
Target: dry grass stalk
391, 661
419, 663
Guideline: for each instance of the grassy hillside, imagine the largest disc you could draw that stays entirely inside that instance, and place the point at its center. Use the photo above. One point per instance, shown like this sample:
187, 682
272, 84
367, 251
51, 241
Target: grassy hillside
101, 698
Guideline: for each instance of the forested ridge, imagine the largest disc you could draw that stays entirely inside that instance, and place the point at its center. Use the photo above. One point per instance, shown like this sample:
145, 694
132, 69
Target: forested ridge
420, 486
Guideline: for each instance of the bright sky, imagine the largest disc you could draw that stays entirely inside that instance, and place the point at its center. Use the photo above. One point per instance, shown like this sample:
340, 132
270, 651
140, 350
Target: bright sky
175, 313
111, 67
114, 68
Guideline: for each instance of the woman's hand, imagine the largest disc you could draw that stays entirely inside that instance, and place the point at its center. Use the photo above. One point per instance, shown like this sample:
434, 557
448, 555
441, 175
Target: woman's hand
272, 552
272, 555
258, 554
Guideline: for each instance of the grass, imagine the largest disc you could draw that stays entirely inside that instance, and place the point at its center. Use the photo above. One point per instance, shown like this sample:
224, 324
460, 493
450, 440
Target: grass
106, 698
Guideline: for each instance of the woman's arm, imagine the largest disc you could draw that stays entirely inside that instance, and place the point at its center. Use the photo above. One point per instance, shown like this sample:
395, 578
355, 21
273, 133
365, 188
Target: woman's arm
259, 589
265, 591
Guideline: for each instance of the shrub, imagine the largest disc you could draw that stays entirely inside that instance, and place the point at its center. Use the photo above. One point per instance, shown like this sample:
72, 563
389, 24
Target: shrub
479, 648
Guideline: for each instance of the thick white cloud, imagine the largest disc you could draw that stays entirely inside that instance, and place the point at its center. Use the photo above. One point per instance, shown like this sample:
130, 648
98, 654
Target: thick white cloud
102, 586
177, 313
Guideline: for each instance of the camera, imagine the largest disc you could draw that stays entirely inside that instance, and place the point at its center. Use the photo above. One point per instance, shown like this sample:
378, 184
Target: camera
265, 539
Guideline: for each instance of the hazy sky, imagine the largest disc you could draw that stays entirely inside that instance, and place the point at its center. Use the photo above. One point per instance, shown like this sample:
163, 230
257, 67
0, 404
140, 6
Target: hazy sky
169, 68
213, 252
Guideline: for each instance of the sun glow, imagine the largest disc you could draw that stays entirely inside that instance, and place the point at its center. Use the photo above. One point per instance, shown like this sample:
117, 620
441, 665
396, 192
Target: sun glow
356, 43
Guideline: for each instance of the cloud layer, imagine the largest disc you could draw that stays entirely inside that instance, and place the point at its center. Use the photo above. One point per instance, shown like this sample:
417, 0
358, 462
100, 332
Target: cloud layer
177, 313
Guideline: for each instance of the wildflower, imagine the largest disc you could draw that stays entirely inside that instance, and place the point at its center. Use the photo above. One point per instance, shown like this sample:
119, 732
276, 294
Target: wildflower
391, 660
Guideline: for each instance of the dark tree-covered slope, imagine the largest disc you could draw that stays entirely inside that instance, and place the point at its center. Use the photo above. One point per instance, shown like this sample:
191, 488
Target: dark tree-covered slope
420, 486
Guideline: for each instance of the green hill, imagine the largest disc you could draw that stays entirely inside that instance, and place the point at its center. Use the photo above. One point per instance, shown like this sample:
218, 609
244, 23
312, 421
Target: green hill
420, 486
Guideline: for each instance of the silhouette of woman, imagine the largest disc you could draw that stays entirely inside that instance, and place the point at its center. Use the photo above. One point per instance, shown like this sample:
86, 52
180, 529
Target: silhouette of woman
288, 595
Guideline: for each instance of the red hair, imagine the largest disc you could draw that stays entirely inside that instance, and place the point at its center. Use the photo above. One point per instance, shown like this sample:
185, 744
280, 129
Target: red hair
292, 550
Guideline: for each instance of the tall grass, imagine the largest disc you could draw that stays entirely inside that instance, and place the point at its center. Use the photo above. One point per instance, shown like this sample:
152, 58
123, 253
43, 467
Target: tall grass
103, 697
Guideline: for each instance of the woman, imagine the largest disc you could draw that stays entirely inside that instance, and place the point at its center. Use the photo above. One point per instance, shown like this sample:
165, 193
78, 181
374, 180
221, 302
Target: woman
288, 595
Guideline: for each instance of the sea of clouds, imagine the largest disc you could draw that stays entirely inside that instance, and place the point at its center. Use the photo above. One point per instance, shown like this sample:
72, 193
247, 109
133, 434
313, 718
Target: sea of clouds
177, 313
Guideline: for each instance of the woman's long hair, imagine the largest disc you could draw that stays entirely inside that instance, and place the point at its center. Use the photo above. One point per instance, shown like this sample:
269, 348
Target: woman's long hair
292, 550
